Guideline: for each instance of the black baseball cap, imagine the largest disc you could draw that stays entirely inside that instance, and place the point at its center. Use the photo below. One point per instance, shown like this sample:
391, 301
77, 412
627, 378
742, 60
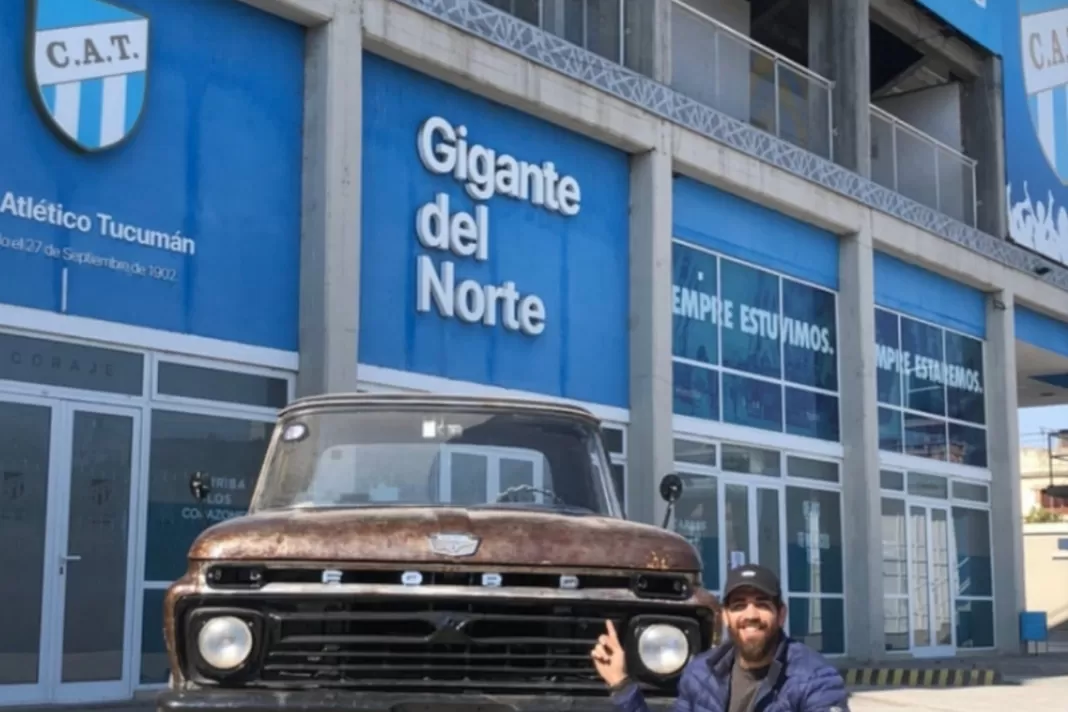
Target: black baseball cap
755, 577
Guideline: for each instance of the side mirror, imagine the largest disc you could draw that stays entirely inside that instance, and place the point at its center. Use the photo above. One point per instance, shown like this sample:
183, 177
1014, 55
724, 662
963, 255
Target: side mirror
670, 492
198, 486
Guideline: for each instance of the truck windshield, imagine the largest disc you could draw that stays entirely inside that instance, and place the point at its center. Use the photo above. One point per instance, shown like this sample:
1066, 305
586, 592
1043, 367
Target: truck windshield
376, 457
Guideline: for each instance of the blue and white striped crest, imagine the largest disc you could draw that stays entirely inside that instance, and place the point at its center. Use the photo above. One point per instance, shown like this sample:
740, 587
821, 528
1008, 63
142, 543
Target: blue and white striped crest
90, 65
1044, 57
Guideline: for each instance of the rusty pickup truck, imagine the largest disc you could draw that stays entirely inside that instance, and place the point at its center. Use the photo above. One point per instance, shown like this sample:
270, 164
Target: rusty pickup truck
417, 552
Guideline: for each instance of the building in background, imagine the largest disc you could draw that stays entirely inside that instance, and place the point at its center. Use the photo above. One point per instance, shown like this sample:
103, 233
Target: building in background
774, 261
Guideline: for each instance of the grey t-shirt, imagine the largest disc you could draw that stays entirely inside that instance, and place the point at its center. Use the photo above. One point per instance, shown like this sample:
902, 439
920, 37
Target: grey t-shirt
744, 686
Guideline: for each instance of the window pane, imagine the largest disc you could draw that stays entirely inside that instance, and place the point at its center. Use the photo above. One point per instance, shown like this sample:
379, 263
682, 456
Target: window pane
925, 437
896, 623
228, 450
736, 525
619, 481
967, 445
694, 333
769, 536
212, 384
695, 452
891, 438
812, 415
889, 357
819, 623
812, 469
895, 548
638, 19
971, 492
751, 341
695, 391
923, 485
58, 363
523, 9
154, 664
810, 336
613, 440
964, 378
697, 519
892, 480
971, 531
922, 345
752, 461
25, 465
814, 541
469, 478
975, 624
601, 20
753, 403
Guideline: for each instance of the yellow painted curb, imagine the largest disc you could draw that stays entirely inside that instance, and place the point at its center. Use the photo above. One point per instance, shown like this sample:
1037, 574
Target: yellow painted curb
918, 677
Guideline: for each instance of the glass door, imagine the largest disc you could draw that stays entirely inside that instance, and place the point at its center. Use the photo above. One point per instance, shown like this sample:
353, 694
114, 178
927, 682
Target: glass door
476, 475
752, 526
27, 488
931, 581
730, 523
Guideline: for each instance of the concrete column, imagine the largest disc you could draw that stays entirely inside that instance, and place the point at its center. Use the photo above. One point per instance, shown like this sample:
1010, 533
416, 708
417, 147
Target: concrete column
330, 233
1003, 455
983, 135
650, 453
840, 49
861, 506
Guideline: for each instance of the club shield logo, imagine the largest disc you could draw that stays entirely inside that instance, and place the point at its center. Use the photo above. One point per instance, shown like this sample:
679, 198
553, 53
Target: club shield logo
87, 64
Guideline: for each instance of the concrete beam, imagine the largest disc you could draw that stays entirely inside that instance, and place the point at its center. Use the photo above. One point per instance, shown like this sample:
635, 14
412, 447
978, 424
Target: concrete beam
330, 230
309, 13
922, 32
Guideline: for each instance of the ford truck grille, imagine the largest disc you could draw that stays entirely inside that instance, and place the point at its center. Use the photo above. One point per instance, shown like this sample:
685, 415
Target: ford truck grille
463, 645
413, 644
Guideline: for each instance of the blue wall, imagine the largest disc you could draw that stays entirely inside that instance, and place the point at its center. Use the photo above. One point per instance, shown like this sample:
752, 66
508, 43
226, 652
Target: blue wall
739, 228
912, 290
577, 265
215, 155
1036, 117
981, 24
1039, 330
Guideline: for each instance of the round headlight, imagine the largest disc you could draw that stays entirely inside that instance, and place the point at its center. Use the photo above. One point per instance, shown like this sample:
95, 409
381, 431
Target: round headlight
663, 649
225, 642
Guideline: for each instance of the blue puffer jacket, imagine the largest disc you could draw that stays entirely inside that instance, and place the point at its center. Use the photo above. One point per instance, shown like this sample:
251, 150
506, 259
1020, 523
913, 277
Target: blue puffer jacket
799, 680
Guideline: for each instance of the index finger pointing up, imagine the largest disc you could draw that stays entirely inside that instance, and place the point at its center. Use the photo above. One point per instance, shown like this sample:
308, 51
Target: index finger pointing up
611, 628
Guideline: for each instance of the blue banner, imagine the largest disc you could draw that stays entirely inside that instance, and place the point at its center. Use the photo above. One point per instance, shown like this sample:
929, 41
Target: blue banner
151, 170
495, 245
1036, 124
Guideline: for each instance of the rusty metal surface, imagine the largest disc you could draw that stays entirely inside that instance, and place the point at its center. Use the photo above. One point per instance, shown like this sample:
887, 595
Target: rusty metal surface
414, 401
401, 534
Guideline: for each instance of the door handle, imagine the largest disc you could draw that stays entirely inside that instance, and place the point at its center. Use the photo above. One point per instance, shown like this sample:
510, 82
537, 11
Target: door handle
72, 557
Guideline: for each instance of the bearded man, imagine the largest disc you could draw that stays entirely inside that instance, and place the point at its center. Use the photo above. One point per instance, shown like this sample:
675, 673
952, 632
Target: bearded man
760, 669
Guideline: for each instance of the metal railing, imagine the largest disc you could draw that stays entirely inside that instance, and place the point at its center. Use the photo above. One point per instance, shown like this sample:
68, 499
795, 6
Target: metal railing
921, 167
722, 68
600, 26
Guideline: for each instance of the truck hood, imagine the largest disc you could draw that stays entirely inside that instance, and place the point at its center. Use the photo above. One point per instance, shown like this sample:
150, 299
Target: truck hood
392, 534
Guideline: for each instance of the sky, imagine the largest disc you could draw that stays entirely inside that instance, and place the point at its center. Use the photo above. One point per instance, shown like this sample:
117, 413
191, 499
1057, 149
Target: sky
1035, 422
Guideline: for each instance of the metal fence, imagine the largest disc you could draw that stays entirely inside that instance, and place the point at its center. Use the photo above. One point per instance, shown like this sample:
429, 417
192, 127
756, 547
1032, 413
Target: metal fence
722, 68
920, 167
